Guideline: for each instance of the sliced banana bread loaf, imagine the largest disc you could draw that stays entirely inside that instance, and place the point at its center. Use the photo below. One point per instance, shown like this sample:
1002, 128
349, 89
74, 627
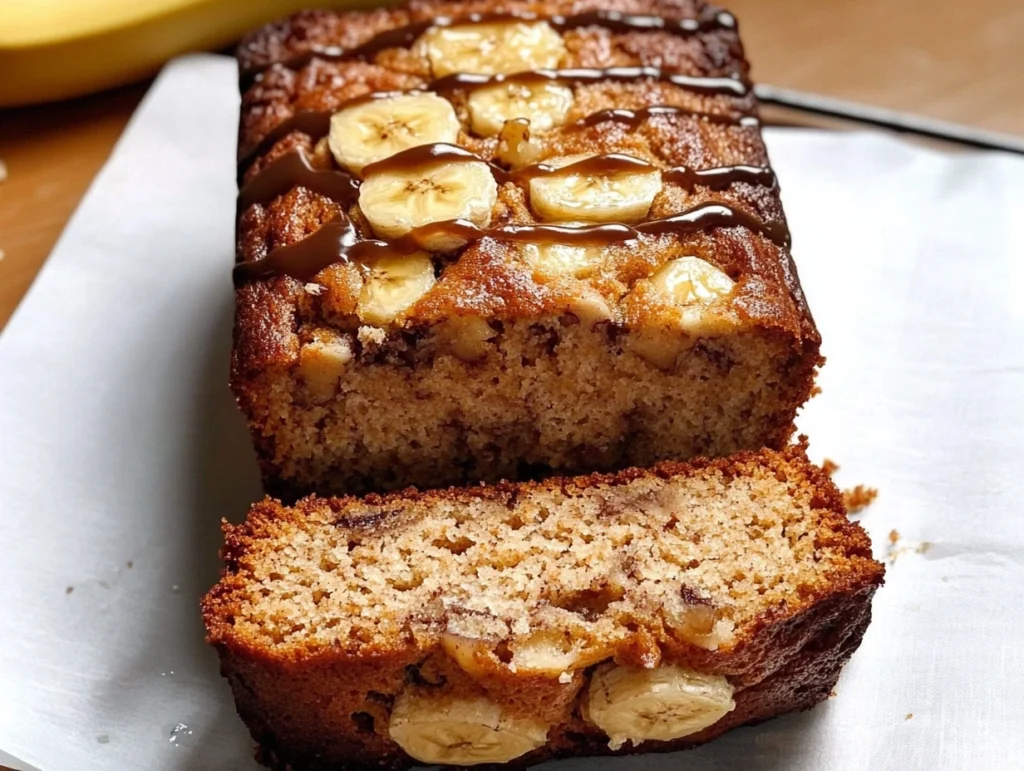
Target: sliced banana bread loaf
481, 240
643, 611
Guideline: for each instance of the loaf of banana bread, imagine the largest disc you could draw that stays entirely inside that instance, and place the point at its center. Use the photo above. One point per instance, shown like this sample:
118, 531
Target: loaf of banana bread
482, 240
648, 610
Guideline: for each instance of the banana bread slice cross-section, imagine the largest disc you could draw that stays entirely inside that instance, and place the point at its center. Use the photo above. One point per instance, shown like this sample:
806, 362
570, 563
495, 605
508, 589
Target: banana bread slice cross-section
648, 610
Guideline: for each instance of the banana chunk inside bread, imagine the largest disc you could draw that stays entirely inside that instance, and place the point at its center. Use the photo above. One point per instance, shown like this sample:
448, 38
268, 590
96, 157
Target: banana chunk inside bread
645, 610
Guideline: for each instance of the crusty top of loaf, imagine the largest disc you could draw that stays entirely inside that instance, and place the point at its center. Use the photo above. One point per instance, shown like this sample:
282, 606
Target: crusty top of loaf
488, 279
617, 561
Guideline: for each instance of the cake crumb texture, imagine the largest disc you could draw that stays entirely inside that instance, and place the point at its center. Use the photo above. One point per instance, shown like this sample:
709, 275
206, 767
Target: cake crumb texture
744, 568
509, 364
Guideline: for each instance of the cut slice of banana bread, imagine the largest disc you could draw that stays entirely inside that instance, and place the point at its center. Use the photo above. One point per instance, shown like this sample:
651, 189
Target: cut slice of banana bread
643, 611
568, 254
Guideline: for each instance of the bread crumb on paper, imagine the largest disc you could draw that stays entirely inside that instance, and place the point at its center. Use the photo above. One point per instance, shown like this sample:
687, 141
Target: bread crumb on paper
859, 498
856, 498
895, 550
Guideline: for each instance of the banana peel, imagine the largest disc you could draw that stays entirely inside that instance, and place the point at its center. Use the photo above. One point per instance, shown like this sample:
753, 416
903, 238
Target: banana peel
64, 48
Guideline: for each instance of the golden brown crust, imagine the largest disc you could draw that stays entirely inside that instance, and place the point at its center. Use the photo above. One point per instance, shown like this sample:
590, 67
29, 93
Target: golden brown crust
809, 652
484, 280
489, 279
788, 658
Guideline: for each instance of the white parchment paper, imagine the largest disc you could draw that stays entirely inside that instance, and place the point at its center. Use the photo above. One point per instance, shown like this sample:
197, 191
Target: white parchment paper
120, 449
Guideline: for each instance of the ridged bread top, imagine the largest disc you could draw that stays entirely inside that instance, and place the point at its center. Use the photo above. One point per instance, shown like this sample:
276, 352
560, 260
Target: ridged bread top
681, 126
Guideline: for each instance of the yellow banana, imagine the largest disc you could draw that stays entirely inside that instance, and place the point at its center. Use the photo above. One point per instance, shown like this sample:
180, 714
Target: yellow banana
63, 48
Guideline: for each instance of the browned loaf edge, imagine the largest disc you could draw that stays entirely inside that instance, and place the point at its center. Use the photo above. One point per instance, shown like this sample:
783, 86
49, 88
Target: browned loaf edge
277, 318
317, 708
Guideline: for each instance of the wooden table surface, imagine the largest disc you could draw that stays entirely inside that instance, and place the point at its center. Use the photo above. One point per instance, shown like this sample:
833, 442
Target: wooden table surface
945, 58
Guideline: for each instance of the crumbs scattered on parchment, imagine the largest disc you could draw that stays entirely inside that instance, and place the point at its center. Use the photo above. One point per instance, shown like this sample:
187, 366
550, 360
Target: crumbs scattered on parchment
859, 498
130, 564
909, 716
855, 499
103, 738
897, 550
69, 590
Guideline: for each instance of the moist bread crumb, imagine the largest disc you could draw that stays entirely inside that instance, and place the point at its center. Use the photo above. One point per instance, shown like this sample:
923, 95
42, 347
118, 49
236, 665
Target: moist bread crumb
510, 364
742, 570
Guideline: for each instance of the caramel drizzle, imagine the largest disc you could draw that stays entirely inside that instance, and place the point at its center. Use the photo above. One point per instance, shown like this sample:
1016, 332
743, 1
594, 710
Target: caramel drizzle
337, 241
293, 169
404, 37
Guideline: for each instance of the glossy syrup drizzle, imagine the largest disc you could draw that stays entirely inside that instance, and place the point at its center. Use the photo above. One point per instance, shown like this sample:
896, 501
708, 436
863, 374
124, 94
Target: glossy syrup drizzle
294, 169
701, 84
337, 241
404, 37
634, 118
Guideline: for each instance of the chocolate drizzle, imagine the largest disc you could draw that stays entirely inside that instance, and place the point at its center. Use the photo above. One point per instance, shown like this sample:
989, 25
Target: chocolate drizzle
294, 170
305, 258
633, 118
404, 37
425, 156
701, 84
316, 124
335, 242
338, 240
721, 177
617, 21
